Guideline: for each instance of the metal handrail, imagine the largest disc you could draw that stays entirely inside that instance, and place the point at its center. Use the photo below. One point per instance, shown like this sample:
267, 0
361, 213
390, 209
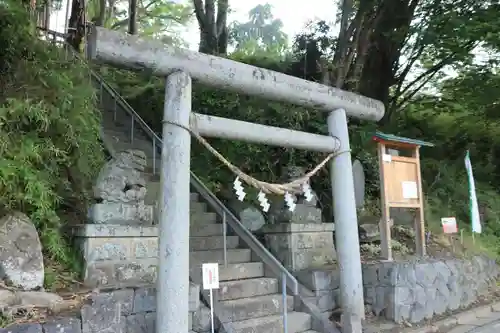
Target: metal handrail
254, 244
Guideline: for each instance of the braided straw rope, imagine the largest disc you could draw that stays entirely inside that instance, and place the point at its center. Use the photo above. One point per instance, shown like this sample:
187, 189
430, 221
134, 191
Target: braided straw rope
269, 188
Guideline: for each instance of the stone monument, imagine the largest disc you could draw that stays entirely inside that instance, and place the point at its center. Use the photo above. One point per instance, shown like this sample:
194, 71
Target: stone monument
119, 245
120, 191
299, 239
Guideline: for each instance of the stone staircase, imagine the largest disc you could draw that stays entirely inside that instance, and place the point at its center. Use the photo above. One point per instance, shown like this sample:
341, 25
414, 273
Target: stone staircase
249, 302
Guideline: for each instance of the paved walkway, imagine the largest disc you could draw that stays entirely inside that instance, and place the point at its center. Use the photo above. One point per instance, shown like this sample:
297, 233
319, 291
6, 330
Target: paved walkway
484, 319
493, 327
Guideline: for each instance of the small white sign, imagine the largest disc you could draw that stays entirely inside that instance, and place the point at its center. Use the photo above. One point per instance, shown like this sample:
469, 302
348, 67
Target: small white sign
386, 158
410, 190
449, 225
210, 276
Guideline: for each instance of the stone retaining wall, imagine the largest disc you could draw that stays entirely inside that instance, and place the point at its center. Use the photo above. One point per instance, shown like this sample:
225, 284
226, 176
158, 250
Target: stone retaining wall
409, 291
120, 311
418, 290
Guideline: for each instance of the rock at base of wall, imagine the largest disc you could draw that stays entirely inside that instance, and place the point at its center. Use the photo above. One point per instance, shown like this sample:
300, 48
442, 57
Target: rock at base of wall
21, 259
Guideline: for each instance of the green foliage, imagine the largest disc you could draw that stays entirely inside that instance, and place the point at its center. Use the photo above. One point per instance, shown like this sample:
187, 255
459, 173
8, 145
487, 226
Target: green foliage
455, 121
50, 149
160, 19
261, 35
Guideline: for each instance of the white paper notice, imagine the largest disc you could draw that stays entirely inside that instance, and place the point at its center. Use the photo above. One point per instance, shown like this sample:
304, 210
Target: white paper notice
210, 276
410, 190
386, 158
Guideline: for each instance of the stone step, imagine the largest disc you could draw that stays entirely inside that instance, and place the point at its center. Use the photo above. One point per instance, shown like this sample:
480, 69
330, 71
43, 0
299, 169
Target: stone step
124, 135
153, 194
253, 307
233, 256
213, 243
121, 273
194, 196
237, 289
124, 248
244, 270
144, 146
297, 322
203, 218
205, 230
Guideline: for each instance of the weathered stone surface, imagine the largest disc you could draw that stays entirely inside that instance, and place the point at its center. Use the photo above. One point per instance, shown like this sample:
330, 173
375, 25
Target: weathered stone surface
250, 216
115, 230
121, 179
358, 175
121, 213
7, 299
409, 291
104, 311
140, 323
301, 248
63, 325
144, 300
368, 233
39, 299
118, 248
201, 320
23, 328
302, 214
21, 259
419, 290
119, 311
121, 273
319, 279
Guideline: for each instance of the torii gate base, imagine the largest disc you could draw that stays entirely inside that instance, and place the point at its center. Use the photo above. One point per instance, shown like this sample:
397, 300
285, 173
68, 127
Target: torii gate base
178, 66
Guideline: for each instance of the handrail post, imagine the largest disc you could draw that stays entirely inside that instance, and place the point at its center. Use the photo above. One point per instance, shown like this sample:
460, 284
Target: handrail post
132, 130
224, 232
101, 99
154, 156
285, 307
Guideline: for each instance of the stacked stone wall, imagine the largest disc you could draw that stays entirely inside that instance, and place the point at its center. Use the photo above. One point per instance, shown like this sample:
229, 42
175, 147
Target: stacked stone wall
410, 291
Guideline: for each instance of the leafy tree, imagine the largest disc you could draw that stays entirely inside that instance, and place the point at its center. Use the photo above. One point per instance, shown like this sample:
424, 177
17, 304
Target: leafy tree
382, 42
262, 33
212, 22
153, 18
50, 151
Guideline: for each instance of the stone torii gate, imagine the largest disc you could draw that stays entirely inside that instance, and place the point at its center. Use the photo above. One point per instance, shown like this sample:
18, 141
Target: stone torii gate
179, 66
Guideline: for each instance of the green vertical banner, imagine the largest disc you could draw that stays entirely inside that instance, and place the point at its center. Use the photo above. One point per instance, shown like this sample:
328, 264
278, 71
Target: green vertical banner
473, 207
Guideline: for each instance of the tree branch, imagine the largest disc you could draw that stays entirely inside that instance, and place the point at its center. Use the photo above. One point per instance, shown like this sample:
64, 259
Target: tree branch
221, 23
446, 61
199, 12
210, 16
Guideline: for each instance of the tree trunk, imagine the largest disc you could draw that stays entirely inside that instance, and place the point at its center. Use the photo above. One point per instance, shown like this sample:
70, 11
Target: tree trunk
76, 24
213, 26
381, 64
100, 18
132, 23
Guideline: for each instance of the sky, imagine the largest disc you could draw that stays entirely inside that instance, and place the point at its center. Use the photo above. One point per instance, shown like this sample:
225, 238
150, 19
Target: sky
295, 15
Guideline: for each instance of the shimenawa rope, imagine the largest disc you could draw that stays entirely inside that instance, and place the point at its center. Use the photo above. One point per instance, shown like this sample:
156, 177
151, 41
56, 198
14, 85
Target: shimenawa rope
269, 188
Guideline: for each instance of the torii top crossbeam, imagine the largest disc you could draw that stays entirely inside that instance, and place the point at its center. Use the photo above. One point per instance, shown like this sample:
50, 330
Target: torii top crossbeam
133, 52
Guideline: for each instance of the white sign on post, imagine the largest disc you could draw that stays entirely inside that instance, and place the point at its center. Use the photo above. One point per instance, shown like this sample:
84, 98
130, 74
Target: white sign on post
210, 276
210, 282
449, 225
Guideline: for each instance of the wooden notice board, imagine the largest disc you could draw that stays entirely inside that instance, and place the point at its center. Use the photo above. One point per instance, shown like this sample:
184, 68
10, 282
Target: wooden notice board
400, 186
